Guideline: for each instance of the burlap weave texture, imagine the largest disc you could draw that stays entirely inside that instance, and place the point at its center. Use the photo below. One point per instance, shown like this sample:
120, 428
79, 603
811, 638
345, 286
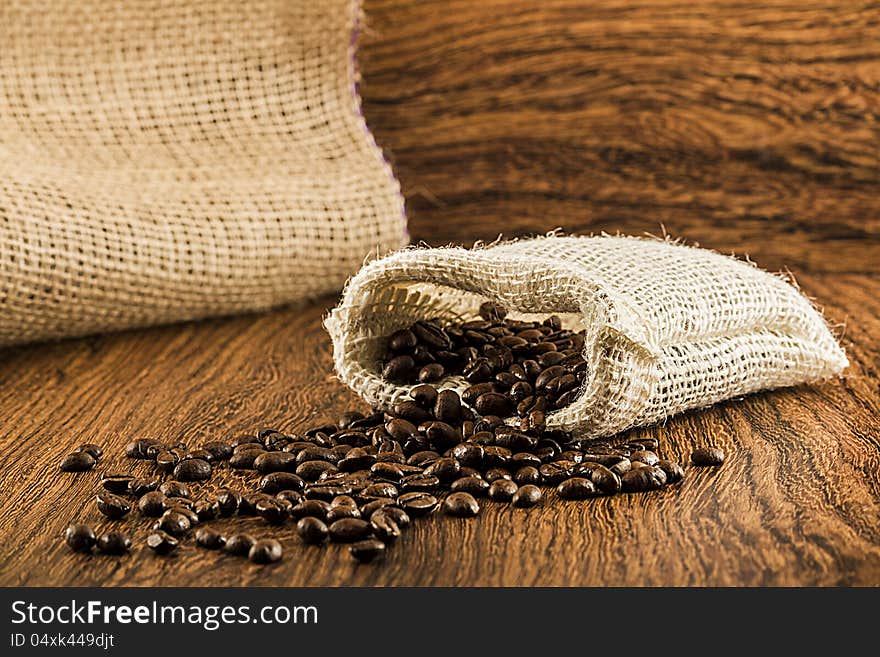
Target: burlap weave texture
164, 160
668, 327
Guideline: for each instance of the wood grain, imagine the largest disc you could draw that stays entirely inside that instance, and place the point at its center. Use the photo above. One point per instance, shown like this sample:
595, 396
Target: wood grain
748, 127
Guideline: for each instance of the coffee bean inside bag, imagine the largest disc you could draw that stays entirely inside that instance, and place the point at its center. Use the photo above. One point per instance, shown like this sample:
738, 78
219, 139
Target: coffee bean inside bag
665, 327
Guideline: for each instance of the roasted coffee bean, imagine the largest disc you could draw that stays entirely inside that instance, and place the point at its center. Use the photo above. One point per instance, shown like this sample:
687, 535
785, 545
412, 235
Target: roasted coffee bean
474, 485
402, 341
674, 471
115, 543
162, 543
398, 515
495, 456
527, 475
409, 411
431, 336
312, 470
311, 530
707, 456
153, 504
502, 490
419, 482
576, 488
621, 467
384, 528
461, 505
447, 408
478, 371
350, 417
348, 530
399, 369
275, 482
193, 470
417, 503
445, 469
389, 471
367, 550
173, 522
219, 450
356, 459
442, 435
526, 496
492, 311
167, 459
239, 545
472, 393
368, 508
113, 506
494, 474
431, 372
468, 454
172, 488
643, 479
494, 403
556, 472
206, 509
379, 489
244, 460
548, 374
80, 538
424, 395
202, 454
116, 483
327, 491
644, 456
265, 550
95, 451
228, 501
268, 462
143, 448
139, 486
338, 512
311, 508
210, 539
605, 480
77, 462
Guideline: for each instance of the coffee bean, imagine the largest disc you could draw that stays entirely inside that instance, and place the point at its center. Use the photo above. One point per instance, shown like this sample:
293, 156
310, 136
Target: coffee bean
339, 512
116, 483
556, 472
526, 496
576, 488
417, 503
193, 470
80, 538
402, 340
114, 543
645, 456
494, 403
527, 475
502, 490
210, 539
348, 530
239, 544
461, 505
431, 336
172, 488
445, 469
605, 480
492, 311
367, 550
219, 450
153, 504
707, 457
162, 543
312, 530
674, 471
228, 501
643, 479
419, 482
113, 506
424, 395
312, 470
77, 462
380, 489
356, 459
166, 460
206, 509
244, 460
399, 369
398, 516
140, 486
266, 550
431, 372
447, 408
143, 448
277, 481
311, 508
268, 462
478, 371
474, 485
172, 522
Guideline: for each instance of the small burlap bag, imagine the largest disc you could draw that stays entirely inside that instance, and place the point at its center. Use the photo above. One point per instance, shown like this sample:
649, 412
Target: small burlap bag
164, 160
668, 327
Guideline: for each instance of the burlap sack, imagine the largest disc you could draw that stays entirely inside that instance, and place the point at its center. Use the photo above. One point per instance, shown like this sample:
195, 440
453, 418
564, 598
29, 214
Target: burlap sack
668, 327
171, 159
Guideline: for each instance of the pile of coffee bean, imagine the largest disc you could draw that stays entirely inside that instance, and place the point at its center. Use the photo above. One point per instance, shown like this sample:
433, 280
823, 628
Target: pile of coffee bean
363, 479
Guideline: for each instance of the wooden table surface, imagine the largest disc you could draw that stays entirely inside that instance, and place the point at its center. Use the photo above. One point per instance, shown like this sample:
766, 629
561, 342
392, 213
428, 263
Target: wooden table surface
745, 127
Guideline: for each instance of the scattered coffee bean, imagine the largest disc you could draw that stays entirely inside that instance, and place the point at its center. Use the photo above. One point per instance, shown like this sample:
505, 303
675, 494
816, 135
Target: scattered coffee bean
417, 504
707, 457
367, 550
643, 479
139, 486
461, 505
502, 490
162, 543
526, 496
239, 545
576, 488
266, 550
172, 522
193, 470
80, 538
116, 483
348, 530
96, 451
312, 530
210, 539
113, 506
77, 462
115, 543
674, 471
172, 488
